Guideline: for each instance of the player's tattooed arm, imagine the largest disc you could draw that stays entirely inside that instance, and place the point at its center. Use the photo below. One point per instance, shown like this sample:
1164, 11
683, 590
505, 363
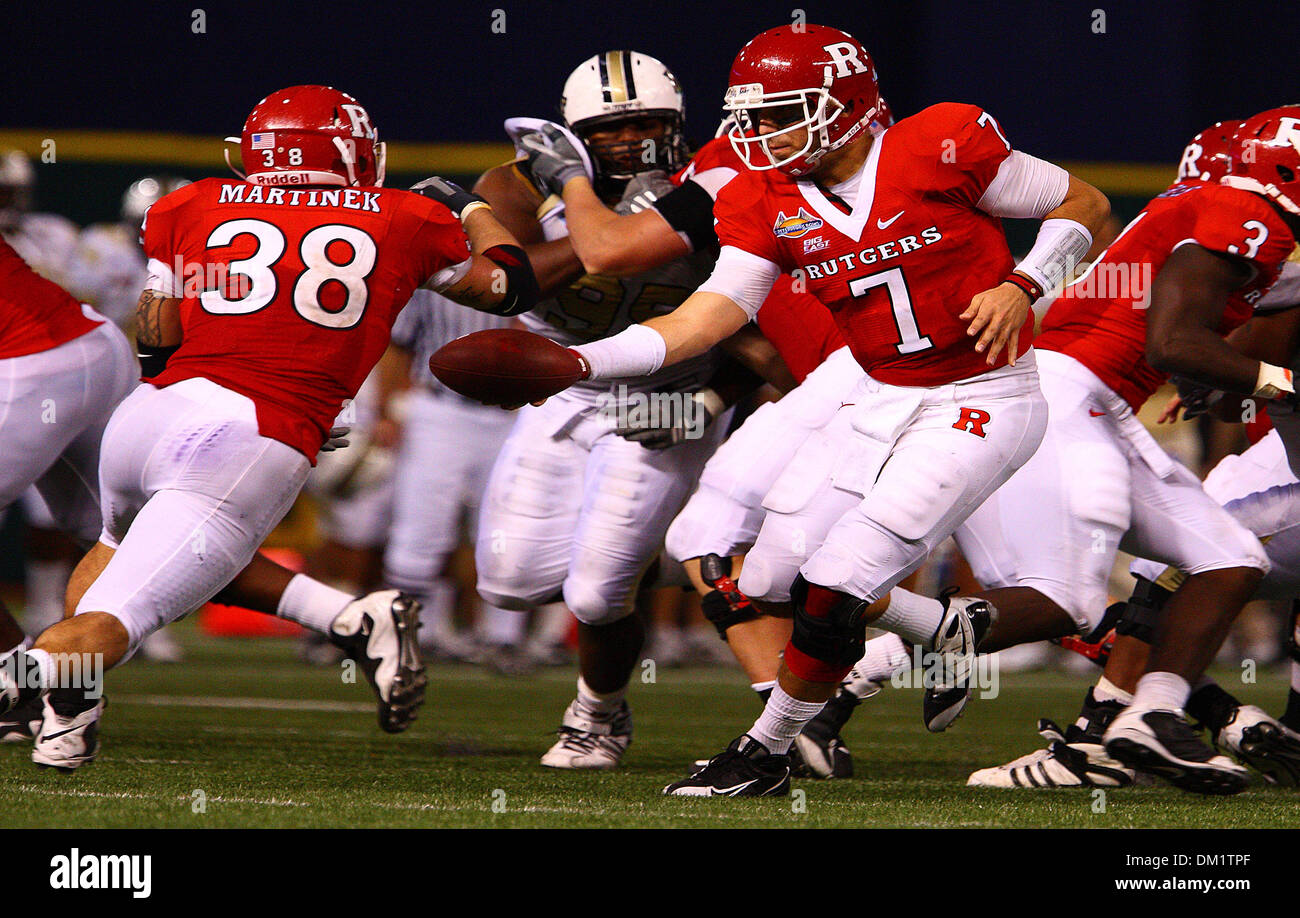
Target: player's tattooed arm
157, 320
157, 331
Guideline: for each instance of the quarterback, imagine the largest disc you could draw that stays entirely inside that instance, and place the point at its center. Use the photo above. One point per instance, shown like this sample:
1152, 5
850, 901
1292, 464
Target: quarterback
898, 234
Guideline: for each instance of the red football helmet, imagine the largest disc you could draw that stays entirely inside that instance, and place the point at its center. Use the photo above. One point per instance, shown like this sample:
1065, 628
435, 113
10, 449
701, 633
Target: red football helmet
310, 135
1266, 156
1207, 155
800, 77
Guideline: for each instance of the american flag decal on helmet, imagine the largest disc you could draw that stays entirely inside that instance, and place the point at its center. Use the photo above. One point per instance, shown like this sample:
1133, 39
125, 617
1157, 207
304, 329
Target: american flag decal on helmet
264, 141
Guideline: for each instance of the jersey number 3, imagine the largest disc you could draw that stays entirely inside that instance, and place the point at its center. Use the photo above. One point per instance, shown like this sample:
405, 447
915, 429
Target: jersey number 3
263, 284
910, 338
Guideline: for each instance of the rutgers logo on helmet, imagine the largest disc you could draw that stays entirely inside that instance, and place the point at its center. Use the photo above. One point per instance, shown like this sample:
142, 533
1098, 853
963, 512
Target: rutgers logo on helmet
1266, 156
816, 80
310, 135
1206, 157
620, 86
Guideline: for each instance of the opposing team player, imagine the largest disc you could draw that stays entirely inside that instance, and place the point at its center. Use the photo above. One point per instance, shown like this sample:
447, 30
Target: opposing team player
572, 509
290, 283
945, 417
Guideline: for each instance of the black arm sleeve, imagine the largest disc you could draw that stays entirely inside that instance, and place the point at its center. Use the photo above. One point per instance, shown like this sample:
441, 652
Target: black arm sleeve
153, 359
522, 292
689, 209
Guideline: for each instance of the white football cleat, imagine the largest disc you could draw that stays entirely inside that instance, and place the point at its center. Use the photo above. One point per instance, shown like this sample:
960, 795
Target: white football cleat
378, 631
1262, 743
1069, 760
67, 743
966, 619
590, 742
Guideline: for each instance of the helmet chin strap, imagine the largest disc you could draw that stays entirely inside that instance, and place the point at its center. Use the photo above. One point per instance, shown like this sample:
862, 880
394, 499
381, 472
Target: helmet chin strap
226, 150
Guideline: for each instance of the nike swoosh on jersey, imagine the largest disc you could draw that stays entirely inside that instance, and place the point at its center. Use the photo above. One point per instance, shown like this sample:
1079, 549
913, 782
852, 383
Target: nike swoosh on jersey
884, 224
1095, 414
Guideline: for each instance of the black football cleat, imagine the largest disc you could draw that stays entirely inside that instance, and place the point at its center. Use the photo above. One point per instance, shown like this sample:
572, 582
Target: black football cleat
1163, 743
743, 769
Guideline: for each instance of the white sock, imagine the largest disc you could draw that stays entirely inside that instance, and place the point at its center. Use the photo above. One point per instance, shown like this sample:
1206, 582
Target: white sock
1105, 690
436, 611
782, 718
762, 687
1162, 692
44, 664
47, 584
599, 702
885, 655
915, 618
501, 626
311, 603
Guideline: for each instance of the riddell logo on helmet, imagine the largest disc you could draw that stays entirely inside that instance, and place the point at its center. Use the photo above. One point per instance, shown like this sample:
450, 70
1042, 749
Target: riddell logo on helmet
280, 178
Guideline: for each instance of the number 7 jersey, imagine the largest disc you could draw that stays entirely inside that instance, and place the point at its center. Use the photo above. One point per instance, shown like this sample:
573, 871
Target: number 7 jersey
899, 269
288, 295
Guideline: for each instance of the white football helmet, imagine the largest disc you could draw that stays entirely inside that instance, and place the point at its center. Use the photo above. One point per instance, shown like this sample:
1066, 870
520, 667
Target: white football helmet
617, 86
144, 192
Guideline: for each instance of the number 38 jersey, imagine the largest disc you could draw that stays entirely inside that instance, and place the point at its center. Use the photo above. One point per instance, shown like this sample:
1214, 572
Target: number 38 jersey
897, 270
1100, 319
289, 295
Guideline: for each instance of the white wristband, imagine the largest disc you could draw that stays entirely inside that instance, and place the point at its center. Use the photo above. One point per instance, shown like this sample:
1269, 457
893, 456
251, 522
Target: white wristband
635, 351
1061, 245
1273, 382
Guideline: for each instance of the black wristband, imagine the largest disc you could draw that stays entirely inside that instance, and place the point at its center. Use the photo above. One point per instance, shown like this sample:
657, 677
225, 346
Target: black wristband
448, 194
522, 292
689, 209
153, 358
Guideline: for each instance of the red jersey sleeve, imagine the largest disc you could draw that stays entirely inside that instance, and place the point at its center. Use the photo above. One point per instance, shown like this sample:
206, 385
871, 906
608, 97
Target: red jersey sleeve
966, 145
742, 220
437, 238
160, 233
1244, 225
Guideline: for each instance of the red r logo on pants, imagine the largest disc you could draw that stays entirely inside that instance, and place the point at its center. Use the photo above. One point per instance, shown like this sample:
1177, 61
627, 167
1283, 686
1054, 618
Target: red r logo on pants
972, 420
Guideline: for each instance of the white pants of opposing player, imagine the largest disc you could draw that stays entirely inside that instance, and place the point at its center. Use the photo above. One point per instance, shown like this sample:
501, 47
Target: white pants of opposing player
190, 489
1261, 492
867, 498
723, 515
448, 448
1099, 482
54, 406
571, 505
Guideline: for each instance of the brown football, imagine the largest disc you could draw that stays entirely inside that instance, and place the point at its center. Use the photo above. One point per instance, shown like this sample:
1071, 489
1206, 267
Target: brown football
506, 366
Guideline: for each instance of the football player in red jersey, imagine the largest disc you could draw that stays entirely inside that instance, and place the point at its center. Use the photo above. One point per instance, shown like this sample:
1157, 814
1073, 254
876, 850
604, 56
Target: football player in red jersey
1245, 230
721, 519
269, 300
1075, 757
945, 417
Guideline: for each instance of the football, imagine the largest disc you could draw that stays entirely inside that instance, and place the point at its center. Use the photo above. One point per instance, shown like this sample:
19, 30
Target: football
506, 366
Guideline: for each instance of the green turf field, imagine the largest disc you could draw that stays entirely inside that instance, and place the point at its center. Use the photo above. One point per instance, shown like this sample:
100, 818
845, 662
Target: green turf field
260, 740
